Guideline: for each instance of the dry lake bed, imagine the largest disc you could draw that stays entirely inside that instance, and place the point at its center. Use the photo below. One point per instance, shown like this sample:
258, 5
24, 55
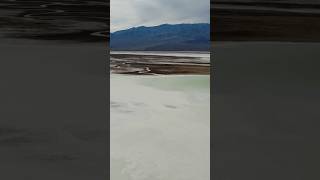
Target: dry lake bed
160, 121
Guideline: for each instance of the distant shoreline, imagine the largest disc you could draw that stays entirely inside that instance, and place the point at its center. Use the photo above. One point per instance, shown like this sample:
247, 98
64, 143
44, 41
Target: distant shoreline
152, 64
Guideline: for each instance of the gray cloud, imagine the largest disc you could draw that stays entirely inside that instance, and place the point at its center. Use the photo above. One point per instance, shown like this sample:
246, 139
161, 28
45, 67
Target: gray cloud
131, 13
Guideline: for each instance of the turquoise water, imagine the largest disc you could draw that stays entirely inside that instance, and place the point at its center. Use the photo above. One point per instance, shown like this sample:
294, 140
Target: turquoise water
179, 83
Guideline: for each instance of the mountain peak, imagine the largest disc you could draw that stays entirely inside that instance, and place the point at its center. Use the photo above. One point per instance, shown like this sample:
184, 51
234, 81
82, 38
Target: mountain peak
164, 37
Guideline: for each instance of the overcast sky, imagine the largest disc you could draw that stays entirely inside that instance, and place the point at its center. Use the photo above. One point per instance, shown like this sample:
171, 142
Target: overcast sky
132, 13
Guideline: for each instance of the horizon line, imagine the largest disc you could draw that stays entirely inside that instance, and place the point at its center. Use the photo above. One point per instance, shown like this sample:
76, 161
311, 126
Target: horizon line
158, 25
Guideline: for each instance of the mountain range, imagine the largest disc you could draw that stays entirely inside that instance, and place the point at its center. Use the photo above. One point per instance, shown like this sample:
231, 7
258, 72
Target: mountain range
165, 37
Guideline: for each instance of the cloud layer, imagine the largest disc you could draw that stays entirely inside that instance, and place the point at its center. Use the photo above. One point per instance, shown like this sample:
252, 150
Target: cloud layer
131, 13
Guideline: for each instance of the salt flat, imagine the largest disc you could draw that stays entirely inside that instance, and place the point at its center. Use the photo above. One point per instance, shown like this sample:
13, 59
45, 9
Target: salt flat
160, 127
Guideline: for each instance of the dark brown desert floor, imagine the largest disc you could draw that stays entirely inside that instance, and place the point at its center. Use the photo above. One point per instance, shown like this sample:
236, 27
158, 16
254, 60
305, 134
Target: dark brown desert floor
157, 64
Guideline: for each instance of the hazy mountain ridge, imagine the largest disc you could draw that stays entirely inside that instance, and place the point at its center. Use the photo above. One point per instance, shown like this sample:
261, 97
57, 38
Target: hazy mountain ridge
165, 37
